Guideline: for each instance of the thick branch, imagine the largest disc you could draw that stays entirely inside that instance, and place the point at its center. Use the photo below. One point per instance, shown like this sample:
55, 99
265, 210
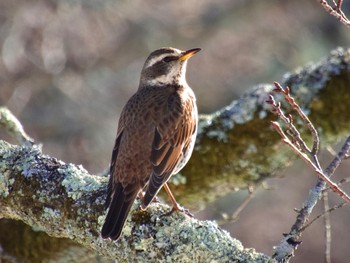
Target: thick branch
65, 201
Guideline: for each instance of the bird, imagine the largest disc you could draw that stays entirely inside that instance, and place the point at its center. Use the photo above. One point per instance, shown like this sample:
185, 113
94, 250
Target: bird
155, 138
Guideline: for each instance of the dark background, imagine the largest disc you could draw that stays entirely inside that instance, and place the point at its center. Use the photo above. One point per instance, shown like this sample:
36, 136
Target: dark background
68, 67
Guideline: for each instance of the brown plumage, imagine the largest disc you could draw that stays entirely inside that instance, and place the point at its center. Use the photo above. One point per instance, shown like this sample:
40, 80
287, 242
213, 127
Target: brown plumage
155, 138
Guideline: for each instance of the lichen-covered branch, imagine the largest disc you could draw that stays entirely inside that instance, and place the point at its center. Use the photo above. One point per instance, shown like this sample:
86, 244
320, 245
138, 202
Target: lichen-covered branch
65, 201
14, 127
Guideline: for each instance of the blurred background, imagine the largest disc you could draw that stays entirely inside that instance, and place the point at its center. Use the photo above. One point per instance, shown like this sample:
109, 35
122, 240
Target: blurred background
68, 67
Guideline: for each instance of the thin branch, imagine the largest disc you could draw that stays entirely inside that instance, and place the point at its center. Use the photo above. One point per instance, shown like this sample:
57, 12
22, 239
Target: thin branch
342, 155
327, 228
341, 182
290, 126
330, 210
299, 146
244, 204
302, 115
336, 11
234, 216
293, 139
14, 127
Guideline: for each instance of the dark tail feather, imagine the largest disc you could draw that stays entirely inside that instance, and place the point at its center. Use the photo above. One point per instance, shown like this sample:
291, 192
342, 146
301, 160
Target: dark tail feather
154, 185
117, 214
153, 188
118, 227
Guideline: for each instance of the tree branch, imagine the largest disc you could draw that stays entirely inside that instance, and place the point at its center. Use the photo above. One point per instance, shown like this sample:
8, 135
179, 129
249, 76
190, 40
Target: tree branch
14, 127
285, 250
336, 11
63, 200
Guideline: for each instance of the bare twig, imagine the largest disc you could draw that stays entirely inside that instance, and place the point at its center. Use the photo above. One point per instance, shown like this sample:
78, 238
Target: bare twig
234, 216
296, 143
330, 210
336, 11
244, 204
293, 139
331, 150
344, 181
342, 155
305, 119
327, 228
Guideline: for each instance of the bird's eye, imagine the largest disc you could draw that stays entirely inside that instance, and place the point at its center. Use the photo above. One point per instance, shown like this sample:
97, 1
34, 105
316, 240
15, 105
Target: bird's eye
168, 59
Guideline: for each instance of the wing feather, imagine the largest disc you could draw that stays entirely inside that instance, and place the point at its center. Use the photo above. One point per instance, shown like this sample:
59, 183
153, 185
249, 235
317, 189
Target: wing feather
111, 170
172, 136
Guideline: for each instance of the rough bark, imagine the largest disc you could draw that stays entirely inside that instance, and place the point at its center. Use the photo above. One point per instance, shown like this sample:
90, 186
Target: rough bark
63, 200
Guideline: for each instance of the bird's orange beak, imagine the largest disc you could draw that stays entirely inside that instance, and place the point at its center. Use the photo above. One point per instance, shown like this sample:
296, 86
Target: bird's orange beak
189, 53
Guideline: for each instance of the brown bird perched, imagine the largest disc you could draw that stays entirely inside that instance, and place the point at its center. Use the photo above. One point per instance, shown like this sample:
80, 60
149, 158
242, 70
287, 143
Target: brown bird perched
156, 134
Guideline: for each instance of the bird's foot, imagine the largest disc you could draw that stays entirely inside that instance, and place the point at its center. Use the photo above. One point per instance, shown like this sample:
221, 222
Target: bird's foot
178, 208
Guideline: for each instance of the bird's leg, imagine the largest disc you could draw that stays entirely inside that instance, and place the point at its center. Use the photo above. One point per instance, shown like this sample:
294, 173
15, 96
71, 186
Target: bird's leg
176, 206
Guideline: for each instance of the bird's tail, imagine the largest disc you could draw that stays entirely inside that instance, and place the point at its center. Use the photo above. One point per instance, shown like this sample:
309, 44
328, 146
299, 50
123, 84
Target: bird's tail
119, 208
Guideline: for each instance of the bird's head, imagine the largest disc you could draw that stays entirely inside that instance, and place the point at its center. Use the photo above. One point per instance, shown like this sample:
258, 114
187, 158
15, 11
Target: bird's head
166, 66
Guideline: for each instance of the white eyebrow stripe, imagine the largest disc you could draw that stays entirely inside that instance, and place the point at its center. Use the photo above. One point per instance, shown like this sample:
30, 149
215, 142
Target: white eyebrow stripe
155, 60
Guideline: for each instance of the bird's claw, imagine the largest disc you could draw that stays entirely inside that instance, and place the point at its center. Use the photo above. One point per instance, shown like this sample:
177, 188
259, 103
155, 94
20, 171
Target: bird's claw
178, 209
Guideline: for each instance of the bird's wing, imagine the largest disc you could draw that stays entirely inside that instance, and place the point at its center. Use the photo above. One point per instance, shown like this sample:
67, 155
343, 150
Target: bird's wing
112, 169
172, 136
119, 197
111, 182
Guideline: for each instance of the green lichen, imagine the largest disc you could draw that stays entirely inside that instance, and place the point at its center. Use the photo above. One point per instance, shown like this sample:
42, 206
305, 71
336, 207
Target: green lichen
13, 126
4, 183
4, 174
50, 213
78, 181
193, 241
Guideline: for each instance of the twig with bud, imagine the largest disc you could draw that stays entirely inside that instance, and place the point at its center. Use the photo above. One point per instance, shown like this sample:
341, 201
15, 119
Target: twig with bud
293, 139
336, 11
